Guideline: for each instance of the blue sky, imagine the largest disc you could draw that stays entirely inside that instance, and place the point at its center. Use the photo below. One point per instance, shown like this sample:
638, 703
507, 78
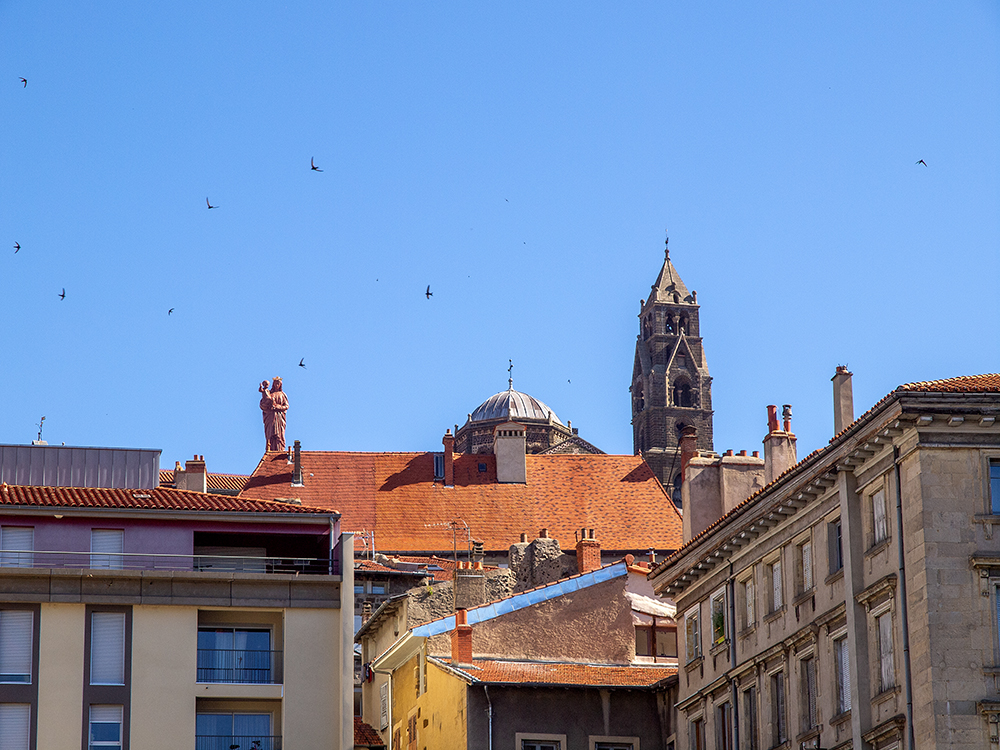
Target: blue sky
524, 160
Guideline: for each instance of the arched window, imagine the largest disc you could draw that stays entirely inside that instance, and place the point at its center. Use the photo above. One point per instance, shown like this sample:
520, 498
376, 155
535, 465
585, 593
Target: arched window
682, 393
676, 491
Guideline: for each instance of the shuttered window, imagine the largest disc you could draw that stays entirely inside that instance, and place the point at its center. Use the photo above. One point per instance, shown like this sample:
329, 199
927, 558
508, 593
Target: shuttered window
778, 728
774, 572
14, 726
106, 547
886, 665
105, 727
692, 634
879, 521
843, 675
16, 546
750, 717
806, 551
107, 648
808, 674
15, 646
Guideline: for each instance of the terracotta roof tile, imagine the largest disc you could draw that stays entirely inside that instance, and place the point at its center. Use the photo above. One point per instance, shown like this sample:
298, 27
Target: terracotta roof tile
987, 383
160, 498
549, 673
227, 482
395, 496
365, 734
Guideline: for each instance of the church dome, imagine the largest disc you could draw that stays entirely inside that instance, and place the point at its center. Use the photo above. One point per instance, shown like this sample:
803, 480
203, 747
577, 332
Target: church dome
511, 404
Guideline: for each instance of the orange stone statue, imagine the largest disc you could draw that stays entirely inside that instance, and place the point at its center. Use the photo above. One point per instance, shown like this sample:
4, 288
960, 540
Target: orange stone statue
273, 404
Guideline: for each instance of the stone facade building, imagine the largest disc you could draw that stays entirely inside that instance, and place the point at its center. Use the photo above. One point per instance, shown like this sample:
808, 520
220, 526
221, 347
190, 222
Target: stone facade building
671, 388
853, 601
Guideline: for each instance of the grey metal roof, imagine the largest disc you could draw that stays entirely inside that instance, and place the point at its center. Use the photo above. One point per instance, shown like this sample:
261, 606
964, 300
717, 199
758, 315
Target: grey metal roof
69, 466
511, 404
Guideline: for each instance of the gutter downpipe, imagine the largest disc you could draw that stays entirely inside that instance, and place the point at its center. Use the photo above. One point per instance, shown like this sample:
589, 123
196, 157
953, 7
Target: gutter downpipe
734, 699
904, 608
489, 716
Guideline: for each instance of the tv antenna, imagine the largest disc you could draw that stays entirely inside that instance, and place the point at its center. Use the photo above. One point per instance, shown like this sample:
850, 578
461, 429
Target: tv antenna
40, 425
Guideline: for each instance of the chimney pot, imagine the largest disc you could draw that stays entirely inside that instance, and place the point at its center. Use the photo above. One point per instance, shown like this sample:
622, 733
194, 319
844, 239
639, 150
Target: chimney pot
588, 552
743, 453
728, 453
543, 534
524, 537
843, 399
772, 418
786, 415
297, 470
755, 454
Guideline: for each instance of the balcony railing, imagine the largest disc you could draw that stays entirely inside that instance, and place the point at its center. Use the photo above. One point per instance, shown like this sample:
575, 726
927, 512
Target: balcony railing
235, 742
239, 666
141, 561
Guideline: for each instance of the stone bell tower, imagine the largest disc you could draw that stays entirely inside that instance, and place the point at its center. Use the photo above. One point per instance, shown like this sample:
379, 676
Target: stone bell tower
671, 388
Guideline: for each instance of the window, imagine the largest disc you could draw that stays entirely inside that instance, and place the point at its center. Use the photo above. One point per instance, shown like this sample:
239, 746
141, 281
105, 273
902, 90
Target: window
722, 721
236, 655
15, 726
222, 731
613, 744
106, 547
379, 588
833, 535
107, 648
540, 745
841, 658
692, 635
750, 717
439, 466
995, 486
15, 646
887, 671
774, 580
880, 524
656, 641
746, 598
697, 730
807, 673
105, 727
16, 546
778, 729
803, 566
358, 622
718, 606
359, 587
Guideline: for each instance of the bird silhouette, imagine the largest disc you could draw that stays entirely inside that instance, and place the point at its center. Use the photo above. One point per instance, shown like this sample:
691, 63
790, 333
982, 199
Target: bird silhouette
429, 293
25, 82
170, 311
210, 203
63, 295
313, 165
17, 247
921, 162
302, 363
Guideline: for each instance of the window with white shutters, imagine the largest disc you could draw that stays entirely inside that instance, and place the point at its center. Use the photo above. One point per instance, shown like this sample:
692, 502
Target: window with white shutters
692, 633
107, 648
17, 544
105, 731
16, 628
887, 671
106, 547
747, 600
879, 521
750, 717
774, 578
843, 675
808, 675
778, 728
806, 556
15, 726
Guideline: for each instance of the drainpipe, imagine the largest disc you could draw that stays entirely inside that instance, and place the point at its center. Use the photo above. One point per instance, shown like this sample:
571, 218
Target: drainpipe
734, 693
489, 714
903, 609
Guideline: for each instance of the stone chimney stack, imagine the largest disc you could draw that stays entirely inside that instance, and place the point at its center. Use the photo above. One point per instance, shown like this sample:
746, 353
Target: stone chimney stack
510, 449
779, 445
461, 639
448, 441
297, 463
366, 612
689, 447
843, 399
469, 585
194, 477
588, 551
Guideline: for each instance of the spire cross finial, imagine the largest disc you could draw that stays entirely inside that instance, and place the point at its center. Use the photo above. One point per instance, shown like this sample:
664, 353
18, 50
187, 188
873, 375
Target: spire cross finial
510, 376
666, 244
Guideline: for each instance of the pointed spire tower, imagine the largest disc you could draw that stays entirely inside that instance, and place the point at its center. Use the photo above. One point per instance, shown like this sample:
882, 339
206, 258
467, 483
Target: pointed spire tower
671, 388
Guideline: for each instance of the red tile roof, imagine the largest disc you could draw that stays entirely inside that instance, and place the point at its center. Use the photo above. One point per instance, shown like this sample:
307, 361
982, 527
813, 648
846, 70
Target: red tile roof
583, 675
395, 495
987, 383
231, 482
365, 734
161, 498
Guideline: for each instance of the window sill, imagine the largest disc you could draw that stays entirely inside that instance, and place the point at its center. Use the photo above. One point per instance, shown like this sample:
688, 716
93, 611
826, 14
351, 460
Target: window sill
694, 663
834, 577
841, 718
804, 596
720, 647
776, 615
876, 548
809, 734
885, 695
747, 631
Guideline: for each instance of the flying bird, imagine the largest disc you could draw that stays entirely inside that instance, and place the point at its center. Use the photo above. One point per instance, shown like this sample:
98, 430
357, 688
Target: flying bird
170, 311
210, 203
25, 82
429, 293
17, 247
313, 165
921, 162
302, 363
63, 295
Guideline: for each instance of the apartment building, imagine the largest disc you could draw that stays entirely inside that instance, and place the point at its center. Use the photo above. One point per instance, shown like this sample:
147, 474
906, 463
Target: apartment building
157, 618
852, 601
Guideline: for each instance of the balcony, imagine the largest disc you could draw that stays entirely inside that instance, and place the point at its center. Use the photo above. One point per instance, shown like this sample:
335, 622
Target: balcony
168, 562
239, 667
235, 742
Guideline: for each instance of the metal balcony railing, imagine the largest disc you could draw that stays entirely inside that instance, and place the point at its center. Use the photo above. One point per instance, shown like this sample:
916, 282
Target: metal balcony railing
141, 561
239, 666
237, 742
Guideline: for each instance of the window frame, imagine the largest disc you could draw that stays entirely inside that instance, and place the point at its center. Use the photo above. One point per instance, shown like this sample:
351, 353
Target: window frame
879, 515
884, 635
19, 555
750, 712
779, 707
120, 742
774, 575
835, 543
723, 726
805, 568
720, 616
559, 740
746, 599
608, 742
12, 618
993, 484
809, 679
842, 670
696, 733
692, 634
103, 560
26, 727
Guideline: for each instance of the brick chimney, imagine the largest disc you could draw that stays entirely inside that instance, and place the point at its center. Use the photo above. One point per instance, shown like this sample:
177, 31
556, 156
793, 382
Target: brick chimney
843, 399
779, 445
449, 458
297, 464
689, 446
510, 449
194, 477
588, 551
461, 639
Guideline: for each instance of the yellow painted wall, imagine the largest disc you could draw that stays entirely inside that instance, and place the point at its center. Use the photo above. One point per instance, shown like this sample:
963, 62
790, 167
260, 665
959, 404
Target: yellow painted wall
164, 667
441, 710
313, 693
60, 676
